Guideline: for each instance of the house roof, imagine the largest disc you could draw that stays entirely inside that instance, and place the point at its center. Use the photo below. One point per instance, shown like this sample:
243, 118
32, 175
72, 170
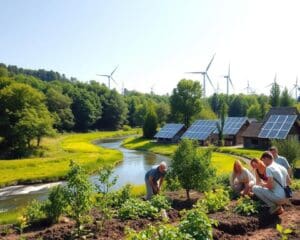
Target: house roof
281, 111
253, 129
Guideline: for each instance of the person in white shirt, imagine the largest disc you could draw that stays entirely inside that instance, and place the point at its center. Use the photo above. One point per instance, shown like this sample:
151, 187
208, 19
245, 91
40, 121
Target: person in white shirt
280, 159
271, 192
242, 179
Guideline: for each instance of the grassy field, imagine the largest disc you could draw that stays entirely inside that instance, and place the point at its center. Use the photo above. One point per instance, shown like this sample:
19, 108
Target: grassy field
58, 152
222, 162
244, 152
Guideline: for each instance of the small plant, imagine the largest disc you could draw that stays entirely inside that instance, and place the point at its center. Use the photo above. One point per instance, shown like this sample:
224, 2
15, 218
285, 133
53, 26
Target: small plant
21, 224
284, 232
197, 224
79, 191
106, 179
117, 198
56, 204
295, 184
34, 212
223, 180
135, 208
214, 200
246, 206
161, 232
160, 202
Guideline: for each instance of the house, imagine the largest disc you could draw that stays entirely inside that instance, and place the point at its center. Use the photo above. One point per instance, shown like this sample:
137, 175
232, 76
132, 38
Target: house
279, 123
170, 133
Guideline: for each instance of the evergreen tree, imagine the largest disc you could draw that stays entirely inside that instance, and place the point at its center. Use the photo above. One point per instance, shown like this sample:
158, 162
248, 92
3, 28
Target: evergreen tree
150, 125
275, 95
286, 100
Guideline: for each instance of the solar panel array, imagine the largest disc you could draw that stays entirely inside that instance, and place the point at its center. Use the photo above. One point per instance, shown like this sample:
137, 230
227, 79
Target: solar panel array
277, 126
233, 124
200, 129
169, 130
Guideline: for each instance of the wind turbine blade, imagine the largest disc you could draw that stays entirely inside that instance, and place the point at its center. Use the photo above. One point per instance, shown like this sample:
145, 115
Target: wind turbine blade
270, 85
102, 75
229, 71
114, 70
208, 66
113, 80
210, 82
231, 83
196, 72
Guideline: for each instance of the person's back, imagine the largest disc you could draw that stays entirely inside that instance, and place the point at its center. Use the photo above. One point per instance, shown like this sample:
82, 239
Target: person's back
282, 161
279, 173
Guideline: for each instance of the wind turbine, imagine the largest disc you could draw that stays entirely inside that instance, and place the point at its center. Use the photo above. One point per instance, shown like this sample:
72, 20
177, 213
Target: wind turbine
109, 77
205, 75
249, 89
228, 78
152, 89
296, 87
275, 81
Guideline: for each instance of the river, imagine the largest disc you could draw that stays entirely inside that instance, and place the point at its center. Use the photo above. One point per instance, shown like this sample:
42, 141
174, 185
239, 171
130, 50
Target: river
131, 170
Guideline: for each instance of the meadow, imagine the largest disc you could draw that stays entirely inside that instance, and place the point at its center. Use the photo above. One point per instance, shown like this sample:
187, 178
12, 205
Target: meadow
223, 162
55, 156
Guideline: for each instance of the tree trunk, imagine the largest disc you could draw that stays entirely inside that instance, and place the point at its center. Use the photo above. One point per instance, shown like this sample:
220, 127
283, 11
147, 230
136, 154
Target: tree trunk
188, 193
38, 141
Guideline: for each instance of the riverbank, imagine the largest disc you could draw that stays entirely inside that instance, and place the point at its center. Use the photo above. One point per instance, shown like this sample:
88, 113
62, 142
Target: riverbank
56, 153
221, 161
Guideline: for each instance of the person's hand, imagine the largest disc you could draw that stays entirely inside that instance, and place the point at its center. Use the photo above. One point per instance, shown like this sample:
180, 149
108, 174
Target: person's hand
155, 189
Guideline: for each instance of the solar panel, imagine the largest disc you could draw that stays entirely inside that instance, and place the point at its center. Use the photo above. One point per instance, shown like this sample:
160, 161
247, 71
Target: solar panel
200, 129
277, 126
169, 130
233, 124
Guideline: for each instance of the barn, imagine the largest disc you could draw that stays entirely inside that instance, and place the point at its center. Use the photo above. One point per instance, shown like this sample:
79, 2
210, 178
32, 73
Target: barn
170, 133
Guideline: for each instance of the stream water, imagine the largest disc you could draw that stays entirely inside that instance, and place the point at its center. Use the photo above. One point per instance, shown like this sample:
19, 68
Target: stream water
131, 170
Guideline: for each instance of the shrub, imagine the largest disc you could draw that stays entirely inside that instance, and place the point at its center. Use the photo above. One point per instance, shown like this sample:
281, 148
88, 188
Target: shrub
106, 179
135, 208
197, 224
161, 232
223, 180
215, 201
160, 202
117, 198
172, 181
192, 168
56, 204
246, 206
126, 128
34, 212
79, 191
288, 148
295, 184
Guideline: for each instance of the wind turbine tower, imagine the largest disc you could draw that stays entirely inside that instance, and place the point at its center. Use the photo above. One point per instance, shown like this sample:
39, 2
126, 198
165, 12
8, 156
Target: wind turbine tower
228, 78
205, 76
109, 76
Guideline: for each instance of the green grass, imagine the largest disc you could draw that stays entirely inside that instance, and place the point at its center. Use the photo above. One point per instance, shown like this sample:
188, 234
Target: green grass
10, 217
58, 152
222, 162
244, 152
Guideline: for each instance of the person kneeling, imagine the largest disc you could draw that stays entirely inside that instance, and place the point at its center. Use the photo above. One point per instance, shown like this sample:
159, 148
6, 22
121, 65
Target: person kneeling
242, 179
272, 191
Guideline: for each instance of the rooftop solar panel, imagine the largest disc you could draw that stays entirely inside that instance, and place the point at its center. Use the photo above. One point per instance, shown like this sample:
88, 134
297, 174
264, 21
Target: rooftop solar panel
277, 126
169, 130
200, 129
233, 124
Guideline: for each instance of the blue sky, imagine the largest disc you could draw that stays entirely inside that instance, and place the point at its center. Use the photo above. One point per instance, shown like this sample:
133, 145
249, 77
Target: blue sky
155, 42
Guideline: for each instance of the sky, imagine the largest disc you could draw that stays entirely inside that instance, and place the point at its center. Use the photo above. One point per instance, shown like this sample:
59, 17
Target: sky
155, 42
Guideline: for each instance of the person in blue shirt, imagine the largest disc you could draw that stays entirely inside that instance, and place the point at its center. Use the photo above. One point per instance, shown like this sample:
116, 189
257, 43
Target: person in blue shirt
280, 160
154, 179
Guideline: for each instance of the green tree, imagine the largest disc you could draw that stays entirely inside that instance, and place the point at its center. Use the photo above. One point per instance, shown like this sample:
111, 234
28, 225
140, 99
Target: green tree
114, 111
150, 125
162, 111
221, 123
275, 95
254, 111
185, 101
23, 116
60, 107
192, 168
238, 107
286, 100
79, 191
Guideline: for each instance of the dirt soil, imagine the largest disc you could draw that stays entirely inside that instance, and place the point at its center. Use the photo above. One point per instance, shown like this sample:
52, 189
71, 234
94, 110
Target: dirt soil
231, 226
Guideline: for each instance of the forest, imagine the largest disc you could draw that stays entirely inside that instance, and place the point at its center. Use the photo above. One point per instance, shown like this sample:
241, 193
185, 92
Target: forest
39, 103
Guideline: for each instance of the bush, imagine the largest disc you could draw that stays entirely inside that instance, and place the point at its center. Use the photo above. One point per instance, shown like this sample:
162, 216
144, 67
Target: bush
172, 181
214, 201
246, 206
136, 208
126, 128
192, 168
223, 180
295, 184
56, 204
288, 148
197, 224
160, 202
160, 232
117, 198
34, 212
